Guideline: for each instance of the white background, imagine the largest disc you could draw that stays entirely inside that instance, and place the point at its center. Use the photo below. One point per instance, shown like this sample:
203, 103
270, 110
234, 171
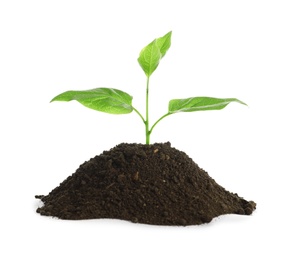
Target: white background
219, 48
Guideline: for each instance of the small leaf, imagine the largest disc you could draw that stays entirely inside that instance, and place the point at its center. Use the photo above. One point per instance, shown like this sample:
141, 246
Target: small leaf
149, 58
164, 43
108, 100
151, 55
200, 104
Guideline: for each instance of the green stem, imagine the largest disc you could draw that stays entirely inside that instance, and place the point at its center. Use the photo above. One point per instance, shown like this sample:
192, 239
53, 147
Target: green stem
139, 114
147, 113
159, 121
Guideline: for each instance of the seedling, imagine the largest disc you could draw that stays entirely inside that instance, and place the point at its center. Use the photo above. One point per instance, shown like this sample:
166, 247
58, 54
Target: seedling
115, 101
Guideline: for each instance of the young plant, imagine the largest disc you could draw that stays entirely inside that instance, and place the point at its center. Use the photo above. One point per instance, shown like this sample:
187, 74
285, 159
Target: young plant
115, 101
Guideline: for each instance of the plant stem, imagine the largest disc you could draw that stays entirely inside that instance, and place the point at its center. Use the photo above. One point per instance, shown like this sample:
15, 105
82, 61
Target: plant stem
139, 114
159, 121
147, 113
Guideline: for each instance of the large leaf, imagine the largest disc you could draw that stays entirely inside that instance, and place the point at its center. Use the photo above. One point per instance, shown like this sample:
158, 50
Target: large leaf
108, 100
151, 55
200, 104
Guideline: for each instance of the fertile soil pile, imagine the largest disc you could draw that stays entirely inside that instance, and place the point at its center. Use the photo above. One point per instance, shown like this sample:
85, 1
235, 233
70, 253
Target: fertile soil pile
152, 184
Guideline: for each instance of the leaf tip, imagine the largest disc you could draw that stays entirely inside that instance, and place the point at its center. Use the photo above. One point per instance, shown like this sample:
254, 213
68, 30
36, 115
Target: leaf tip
56, 98
243, 103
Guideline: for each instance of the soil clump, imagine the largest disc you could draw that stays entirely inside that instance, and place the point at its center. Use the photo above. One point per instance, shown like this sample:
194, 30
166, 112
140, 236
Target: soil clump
151, 184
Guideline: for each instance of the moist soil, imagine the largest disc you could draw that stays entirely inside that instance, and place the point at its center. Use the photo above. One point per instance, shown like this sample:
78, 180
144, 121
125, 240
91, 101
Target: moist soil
152, 184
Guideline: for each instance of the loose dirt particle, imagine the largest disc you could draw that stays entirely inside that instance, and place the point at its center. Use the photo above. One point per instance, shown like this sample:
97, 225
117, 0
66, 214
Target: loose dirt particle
136, 176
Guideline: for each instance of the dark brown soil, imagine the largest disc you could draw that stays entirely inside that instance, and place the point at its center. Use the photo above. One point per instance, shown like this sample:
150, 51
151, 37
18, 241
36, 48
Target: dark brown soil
152, 184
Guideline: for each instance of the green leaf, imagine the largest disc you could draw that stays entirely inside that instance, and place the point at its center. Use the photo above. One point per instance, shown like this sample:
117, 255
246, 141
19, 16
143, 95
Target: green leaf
200, 104
149, 58
151, 55
108, 100
164, 43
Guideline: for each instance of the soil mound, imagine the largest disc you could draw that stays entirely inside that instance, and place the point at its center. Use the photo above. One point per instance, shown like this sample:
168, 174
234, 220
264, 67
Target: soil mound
152, 184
